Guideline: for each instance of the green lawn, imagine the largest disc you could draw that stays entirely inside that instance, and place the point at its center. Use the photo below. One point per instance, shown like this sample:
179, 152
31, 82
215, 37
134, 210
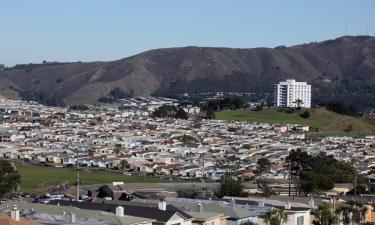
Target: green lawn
35, 178
322, 121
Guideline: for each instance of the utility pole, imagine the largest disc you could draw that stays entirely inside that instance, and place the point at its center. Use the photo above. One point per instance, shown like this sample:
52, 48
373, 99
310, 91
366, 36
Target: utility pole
289, 177
77, 176
355, 181
203, 182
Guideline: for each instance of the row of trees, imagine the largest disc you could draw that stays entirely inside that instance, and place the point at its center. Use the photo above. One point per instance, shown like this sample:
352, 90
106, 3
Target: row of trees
170, 111
310, 174
42, 98
352, 212
317, 173
215, 105
116, 94
273, 217
341, 108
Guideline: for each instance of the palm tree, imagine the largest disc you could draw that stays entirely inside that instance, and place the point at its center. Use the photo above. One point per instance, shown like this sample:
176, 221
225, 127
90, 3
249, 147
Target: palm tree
248, 223
344, 213
323, 215
299, 102
358, 211
275, 217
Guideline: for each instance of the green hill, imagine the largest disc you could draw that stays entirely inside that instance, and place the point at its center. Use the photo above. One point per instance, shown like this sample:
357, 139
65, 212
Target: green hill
321, 121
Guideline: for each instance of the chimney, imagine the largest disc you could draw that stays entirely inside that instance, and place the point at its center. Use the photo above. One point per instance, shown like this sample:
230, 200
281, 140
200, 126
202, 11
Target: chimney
232, 202
71, 217
120, 211
15, 213
311, 203
162, 205
287, 205
261, 203
200, 206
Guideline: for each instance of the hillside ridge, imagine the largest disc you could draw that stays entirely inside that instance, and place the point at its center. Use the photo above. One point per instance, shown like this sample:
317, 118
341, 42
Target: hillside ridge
342, 69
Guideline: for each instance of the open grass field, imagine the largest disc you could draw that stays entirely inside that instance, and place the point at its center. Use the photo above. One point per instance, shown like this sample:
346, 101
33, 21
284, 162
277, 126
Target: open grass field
36, 178
321, 121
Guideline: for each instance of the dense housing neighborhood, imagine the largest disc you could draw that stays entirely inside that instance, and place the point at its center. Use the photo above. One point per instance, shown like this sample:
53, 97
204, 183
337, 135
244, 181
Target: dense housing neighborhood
104, 138
128, 140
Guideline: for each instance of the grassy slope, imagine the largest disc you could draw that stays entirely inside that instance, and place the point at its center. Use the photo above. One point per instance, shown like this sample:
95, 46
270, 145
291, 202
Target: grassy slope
327, 122
36, 178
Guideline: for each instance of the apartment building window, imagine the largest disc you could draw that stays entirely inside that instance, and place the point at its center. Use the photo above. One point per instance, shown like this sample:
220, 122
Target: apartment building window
300, 220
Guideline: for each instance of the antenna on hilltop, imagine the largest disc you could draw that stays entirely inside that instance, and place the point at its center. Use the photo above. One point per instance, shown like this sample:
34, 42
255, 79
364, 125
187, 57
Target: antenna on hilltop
367, 33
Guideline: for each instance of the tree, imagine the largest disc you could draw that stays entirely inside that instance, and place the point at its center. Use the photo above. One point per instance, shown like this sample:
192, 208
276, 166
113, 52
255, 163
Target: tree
352, 212
181, 114
263, 165
170, 111
317, 173
9, 178
305, 114
124, 164
210, 113
299, 102
117, 93
344, 213
258, 107
341, 108
187, 139
248, 223
358, 211
266, 191
232, 129
230, 187
314, 182
275, 217
348, 129
289, 110
323, 215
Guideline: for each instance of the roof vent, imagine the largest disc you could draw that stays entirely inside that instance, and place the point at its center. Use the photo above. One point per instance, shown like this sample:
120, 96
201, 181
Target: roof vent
119, 211
200, 206
261, 203
162, 205
15, 213
311, 203
288, 205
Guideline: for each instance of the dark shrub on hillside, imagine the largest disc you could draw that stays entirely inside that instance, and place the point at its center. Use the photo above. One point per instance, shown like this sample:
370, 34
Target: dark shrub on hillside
117, 93
305, 114
104, 99
341, 108
289, 110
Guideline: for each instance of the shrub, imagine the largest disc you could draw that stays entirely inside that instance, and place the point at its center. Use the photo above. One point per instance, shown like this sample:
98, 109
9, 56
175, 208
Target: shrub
348, 129
289, 110
305, 114
232, 129
104, 99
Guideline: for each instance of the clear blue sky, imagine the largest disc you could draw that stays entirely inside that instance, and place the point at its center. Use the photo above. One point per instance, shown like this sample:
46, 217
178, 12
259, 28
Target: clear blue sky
88, 30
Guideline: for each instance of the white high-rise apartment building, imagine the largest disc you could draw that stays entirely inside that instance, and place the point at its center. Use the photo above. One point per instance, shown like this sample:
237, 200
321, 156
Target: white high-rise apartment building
289, 92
